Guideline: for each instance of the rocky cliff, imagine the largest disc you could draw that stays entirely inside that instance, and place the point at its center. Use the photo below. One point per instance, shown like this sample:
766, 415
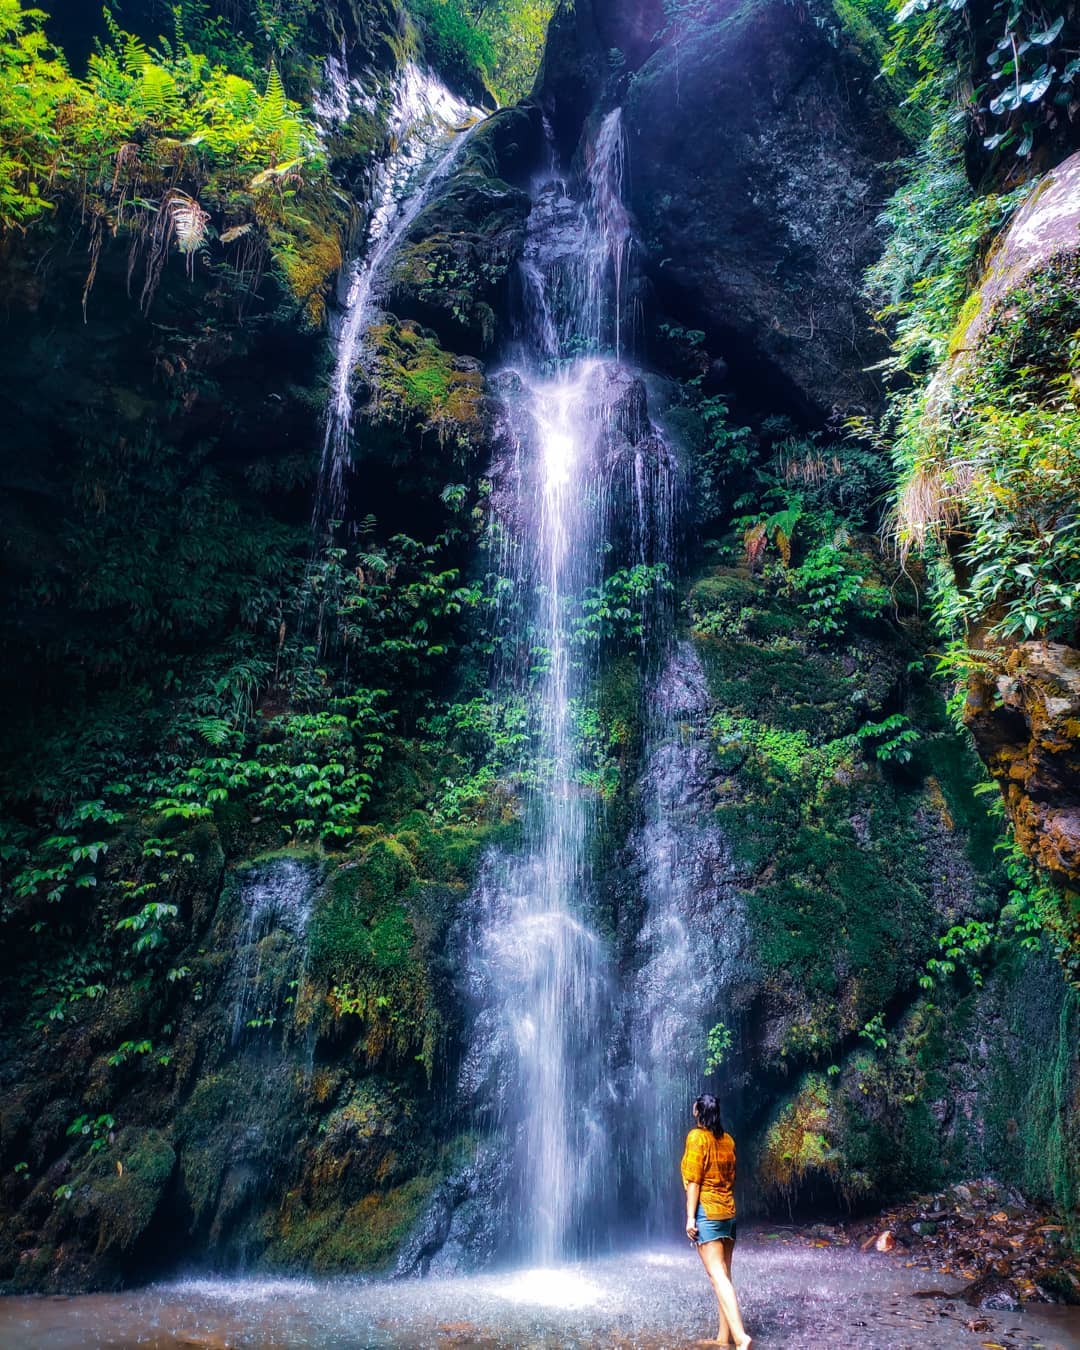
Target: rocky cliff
241, 1034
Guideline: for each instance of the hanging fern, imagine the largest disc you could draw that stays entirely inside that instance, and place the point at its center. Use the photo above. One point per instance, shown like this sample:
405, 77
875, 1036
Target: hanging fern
187, 221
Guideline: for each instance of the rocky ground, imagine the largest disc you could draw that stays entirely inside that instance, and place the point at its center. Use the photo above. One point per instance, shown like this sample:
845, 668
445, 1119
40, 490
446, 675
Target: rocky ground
1011, 1253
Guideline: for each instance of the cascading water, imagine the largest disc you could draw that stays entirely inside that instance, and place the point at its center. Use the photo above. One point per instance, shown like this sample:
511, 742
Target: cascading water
691, 951
276, 899
535, 960
584, 487
428, 127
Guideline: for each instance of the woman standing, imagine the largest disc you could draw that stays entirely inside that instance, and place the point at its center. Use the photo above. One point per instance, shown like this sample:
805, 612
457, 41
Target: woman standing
708, 1173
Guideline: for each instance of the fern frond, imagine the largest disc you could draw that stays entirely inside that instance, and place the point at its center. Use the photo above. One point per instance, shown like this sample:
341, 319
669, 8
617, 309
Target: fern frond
136, 57
188, 221
273, 106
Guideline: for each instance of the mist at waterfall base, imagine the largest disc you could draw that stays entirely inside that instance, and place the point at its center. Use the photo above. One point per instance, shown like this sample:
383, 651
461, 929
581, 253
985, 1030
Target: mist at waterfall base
793, 1297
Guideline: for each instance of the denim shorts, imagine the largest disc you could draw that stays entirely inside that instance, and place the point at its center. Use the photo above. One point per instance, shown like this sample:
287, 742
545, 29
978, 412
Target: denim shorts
712, 1230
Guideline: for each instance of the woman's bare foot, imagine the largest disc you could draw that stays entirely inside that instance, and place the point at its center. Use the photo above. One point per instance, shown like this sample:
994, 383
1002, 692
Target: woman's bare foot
744, 1344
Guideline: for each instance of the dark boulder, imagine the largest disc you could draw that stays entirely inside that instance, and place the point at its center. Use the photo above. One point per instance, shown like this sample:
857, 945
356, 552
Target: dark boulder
757, 192
452, 271
756, 140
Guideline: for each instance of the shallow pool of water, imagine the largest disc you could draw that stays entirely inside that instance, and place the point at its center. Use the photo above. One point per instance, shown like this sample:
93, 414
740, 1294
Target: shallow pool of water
793, 1296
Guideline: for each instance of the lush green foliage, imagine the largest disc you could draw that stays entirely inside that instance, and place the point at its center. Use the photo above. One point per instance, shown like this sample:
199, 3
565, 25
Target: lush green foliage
718, 1042
936, 229
986, 453
169, 145
502, 40
1012, 62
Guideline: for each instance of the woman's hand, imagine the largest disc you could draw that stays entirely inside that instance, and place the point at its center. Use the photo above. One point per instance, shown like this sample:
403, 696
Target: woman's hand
691, 1229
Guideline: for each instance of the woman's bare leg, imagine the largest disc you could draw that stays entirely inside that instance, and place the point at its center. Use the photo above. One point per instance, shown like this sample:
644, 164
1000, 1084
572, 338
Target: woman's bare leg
712, 1257
723, 1335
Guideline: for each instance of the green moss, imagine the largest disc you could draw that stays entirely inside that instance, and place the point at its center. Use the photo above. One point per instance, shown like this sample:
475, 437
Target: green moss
451, 853
1033, 1122
785, 681
968, 314
724, 588
419, 384
365, 1236
204, 1134
359, 922
828, 908
362, 1185
796, 1144
122, 1186
842, 859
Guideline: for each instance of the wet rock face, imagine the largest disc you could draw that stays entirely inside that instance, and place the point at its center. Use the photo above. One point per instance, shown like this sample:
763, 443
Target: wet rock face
452, 271
756, 190
1025, 718
465, 1219
757, 193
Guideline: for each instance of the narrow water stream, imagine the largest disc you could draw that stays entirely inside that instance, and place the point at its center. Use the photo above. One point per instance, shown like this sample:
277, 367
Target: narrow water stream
428, 127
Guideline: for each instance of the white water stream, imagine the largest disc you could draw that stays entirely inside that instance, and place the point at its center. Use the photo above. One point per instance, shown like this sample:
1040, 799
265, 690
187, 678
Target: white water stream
588, 489
428, 127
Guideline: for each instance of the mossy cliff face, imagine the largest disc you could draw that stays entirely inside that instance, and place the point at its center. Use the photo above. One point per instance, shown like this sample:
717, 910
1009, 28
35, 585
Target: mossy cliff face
991, 480
861, 1069
256, 1074
276, 1098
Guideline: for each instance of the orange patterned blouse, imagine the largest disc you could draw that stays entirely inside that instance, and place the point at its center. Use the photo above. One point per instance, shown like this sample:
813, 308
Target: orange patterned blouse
710, 1161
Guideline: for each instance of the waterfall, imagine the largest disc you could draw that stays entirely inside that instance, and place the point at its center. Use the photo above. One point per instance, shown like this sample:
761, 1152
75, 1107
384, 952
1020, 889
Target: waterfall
583, 485
611, 236
427, 128
692, 948
276, 899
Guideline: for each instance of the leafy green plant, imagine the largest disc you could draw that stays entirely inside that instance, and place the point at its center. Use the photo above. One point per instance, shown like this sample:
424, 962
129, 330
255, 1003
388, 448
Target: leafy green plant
874, 1031
615, 611
165, 145
718, 1043
961, 946
1022, 59
833, 589
892, 740
98, 1130
499, 40
129, 1050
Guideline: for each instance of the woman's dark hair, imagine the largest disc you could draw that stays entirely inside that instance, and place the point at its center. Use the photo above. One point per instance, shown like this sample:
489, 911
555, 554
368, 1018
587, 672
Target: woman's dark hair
707, 1109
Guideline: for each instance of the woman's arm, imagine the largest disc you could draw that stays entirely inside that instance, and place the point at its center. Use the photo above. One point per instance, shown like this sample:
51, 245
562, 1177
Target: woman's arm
693, 1191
